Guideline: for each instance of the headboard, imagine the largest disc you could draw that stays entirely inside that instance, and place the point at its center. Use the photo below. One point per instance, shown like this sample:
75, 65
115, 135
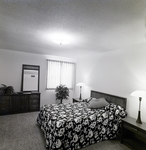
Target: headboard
110, 98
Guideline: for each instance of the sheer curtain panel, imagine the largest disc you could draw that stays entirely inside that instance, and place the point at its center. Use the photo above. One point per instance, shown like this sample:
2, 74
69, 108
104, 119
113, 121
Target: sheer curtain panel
60, 72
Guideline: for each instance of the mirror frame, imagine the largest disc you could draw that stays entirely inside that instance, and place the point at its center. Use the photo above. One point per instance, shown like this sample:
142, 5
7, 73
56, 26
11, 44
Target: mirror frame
30, 67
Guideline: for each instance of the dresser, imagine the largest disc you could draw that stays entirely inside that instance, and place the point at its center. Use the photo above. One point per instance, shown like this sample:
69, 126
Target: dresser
19, 103
133, 134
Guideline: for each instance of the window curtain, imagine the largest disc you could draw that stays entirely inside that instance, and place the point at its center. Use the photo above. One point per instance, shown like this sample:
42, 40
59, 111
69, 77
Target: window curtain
60, 72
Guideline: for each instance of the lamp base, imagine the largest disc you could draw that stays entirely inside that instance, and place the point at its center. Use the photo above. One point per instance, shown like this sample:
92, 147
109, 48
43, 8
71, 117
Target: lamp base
80, 98
139, 118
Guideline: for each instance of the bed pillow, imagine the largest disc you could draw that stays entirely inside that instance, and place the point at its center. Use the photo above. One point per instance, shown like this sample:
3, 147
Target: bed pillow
97, 103
87, 99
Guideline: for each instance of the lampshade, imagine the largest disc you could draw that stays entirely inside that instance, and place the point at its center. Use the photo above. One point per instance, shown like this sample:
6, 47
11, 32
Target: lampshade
80, 84
138, 93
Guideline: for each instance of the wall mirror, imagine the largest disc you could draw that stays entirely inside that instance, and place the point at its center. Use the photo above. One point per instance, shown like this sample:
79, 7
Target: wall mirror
30, 78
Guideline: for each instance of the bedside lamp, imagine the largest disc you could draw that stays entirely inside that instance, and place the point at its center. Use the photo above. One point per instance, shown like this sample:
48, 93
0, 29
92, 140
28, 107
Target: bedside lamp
139, 94
80, 84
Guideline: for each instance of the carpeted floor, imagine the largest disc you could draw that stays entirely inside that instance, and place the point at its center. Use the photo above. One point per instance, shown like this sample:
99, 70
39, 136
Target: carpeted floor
20, 132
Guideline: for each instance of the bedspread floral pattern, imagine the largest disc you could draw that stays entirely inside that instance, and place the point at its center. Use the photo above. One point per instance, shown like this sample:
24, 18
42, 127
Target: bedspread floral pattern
73, 126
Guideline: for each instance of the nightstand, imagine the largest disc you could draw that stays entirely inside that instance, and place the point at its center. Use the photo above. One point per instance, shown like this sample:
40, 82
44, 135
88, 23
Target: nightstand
76, 100
133, 134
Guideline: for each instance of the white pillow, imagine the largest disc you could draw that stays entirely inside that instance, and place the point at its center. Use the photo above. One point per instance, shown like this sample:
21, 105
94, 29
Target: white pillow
97, 103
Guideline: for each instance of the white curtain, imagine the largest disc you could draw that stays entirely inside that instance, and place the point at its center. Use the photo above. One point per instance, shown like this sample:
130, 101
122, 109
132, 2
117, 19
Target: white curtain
60, 72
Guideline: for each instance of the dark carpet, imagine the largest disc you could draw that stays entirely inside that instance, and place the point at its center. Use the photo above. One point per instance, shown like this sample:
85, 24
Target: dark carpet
20, 132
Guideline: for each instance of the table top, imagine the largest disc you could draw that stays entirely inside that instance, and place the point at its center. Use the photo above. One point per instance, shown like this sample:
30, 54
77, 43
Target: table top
133, 122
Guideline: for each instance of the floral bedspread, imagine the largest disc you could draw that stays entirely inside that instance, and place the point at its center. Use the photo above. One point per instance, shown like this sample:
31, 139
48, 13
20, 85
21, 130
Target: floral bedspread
74, 125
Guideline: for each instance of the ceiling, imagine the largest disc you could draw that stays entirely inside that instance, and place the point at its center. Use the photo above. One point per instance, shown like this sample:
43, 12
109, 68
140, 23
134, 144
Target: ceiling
95, 26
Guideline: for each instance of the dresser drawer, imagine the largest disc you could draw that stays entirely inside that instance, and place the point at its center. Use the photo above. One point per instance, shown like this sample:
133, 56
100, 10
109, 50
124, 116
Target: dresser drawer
4, 110
4, 103
34, 107
34, 96
34, 101
4, 97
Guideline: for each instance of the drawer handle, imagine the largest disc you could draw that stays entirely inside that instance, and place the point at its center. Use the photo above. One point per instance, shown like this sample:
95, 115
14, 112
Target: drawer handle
134, 129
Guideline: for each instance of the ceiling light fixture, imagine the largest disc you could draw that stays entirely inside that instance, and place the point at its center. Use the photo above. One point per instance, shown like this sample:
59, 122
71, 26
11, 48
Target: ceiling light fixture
60, 41
61, 38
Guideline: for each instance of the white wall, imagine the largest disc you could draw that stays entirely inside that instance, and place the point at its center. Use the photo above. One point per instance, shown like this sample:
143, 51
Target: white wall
11, 72
119, 72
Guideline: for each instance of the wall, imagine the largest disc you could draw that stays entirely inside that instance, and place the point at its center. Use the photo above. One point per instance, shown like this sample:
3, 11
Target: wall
11, 72
118, 72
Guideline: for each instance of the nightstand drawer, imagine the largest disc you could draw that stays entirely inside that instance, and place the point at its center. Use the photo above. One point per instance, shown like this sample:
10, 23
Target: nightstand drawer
130, 127
140, 134
133, 134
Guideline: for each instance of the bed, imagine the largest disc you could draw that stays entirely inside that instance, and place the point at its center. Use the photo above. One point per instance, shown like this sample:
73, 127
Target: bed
71, 126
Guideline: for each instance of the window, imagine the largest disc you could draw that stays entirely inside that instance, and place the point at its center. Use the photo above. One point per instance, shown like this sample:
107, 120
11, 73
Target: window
60, 72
